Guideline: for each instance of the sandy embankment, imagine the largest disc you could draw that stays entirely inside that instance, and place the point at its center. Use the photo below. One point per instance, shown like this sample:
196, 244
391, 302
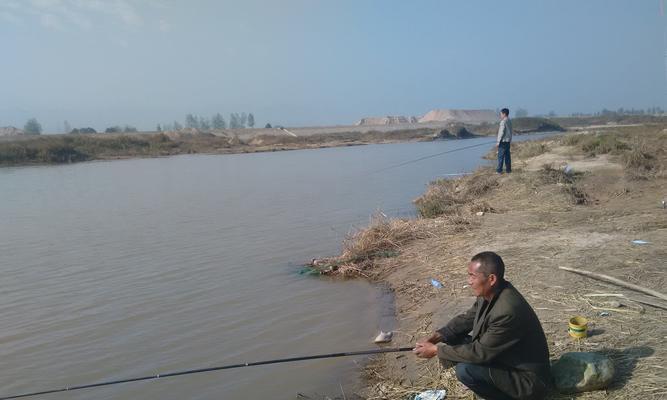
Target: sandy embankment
537, 219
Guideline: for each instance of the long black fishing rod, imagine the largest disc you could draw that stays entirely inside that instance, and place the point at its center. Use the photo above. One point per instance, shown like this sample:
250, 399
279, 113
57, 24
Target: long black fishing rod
431, 156
198, 371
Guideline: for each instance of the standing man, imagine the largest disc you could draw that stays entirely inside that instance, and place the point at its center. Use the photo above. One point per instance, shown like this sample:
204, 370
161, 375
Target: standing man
506, 356
503, 142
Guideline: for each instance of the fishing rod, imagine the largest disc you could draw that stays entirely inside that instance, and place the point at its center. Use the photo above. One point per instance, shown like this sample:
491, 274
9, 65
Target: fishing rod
431, 156
200, 370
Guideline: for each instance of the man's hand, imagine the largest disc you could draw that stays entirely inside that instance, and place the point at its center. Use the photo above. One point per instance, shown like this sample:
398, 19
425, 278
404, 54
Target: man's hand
425, 349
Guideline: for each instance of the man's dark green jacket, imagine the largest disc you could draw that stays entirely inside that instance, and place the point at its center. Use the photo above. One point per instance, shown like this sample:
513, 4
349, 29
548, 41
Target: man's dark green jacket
507, 335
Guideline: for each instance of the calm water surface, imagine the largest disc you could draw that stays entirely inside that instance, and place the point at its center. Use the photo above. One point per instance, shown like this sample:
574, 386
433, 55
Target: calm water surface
138, 267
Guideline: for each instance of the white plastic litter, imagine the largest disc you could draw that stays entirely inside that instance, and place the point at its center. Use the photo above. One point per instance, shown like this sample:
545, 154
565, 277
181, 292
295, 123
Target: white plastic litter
431, 395
384, 337
639, 241
436, 283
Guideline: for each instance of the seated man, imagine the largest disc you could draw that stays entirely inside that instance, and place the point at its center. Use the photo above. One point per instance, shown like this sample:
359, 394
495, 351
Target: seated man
506, 356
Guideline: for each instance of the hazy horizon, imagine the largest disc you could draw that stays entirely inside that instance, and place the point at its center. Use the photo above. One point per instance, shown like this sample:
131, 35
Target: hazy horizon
300, 63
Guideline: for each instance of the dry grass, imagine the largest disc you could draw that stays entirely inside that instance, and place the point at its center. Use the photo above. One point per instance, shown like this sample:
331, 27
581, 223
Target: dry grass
642, 162
430, 376
596, 144
530, 149
549, 175
640, 150
456, 196
382, 238
521, 150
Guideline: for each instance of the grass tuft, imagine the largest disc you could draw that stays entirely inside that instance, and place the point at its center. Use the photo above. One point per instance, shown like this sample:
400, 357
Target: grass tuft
449, 196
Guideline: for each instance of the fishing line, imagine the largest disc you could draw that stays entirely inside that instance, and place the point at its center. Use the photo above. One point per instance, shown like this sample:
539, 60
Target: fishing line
210, 369
431, 156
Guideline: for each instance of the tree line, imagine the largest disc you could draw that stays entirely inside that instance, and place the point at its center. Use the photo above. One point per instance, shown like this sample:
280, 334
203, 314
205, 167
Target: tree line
217, 121
192, 121
521, 112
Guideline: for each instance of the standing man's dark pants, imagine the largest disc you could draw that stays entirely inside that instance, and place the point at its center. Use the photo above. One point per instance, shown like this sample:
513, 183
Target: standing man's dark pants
504, 156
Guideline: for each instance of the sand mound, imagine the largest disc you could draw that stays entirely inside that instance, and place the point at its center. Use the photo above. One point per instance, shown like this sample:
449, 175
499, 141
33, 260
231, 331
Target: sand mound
10, 131
462, 116
387, 120
439, 115
187, 133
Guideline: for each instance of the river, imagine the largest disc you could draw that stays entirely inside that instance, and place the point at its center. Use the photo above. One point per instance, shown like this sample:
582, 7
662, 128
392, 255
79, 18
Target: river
143, 266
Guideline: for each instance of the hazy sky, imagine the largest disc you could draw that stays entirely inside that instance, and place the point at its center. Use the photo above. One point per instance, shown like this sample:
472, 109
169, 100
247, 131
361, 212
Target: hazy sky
104, 62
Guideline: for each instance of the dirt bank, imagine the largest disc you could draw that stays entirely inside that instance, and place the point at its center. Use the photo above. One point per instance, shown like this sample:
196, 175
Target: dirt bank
541, 217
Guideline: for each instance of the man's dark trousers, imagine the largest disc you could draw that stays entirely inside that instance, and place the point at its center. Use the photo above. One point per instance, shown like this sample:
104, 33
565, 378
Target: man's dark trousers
504, 156
478, 379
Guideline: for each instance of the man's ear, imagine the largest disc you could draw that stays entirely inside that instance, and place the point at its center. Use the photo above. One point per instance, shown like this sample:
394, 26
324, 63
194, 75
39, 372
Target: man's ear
493, 279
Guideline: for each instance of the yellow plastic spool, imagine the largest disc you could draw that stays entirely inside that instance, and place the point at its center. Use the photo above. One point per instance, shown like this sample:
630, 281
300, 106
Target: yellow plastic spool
578, 327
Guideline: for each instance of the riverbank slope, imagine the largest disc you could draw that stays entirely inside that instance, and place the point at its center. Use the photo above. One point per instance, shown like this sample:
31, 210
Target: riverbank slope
575, 201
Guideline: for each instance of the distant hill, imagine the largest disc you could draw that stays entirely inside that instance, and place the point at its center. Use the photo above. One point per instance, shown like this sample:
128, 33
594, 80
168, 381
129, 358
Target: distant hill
10, 131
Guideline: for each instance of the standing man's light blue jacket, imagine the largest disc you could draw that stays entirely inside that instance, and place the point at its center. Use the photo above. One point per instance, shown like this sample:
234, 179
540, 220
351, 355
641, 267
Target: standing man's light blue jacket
504, 131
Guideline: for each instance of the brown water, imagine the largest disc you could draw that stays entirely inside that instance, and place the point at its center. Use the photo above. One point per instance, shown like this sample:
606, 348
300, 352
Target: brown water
137, 267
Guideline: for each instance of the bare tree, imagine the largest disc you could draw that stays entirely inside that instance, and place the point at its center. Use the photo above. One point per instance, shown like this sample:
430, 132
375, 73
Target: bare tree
32, 127
191, 121
234, 120
204, 124
218, 122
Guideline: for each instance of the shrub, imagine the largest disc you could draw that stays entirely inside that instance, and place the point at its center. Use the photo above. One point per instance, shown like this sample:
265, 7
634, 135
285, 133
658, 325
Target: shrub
113, 129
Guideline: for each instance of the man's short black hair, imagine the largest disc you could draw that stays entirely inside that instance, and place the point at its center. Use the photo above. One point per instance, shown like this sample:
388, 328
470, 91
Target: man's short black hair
505, 111
490, 263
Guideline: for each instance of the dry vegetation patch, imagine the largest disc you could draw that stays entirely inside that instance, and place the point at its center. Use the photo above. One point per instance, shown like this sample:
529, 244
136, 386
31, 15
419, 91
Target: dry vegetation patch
457, 197
383, 238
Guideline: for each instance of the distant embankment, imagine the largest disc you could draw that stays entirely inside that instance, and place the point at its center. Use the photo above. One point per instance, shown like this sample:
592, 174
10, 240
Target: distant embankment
58, 149
609, 120
522, 125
